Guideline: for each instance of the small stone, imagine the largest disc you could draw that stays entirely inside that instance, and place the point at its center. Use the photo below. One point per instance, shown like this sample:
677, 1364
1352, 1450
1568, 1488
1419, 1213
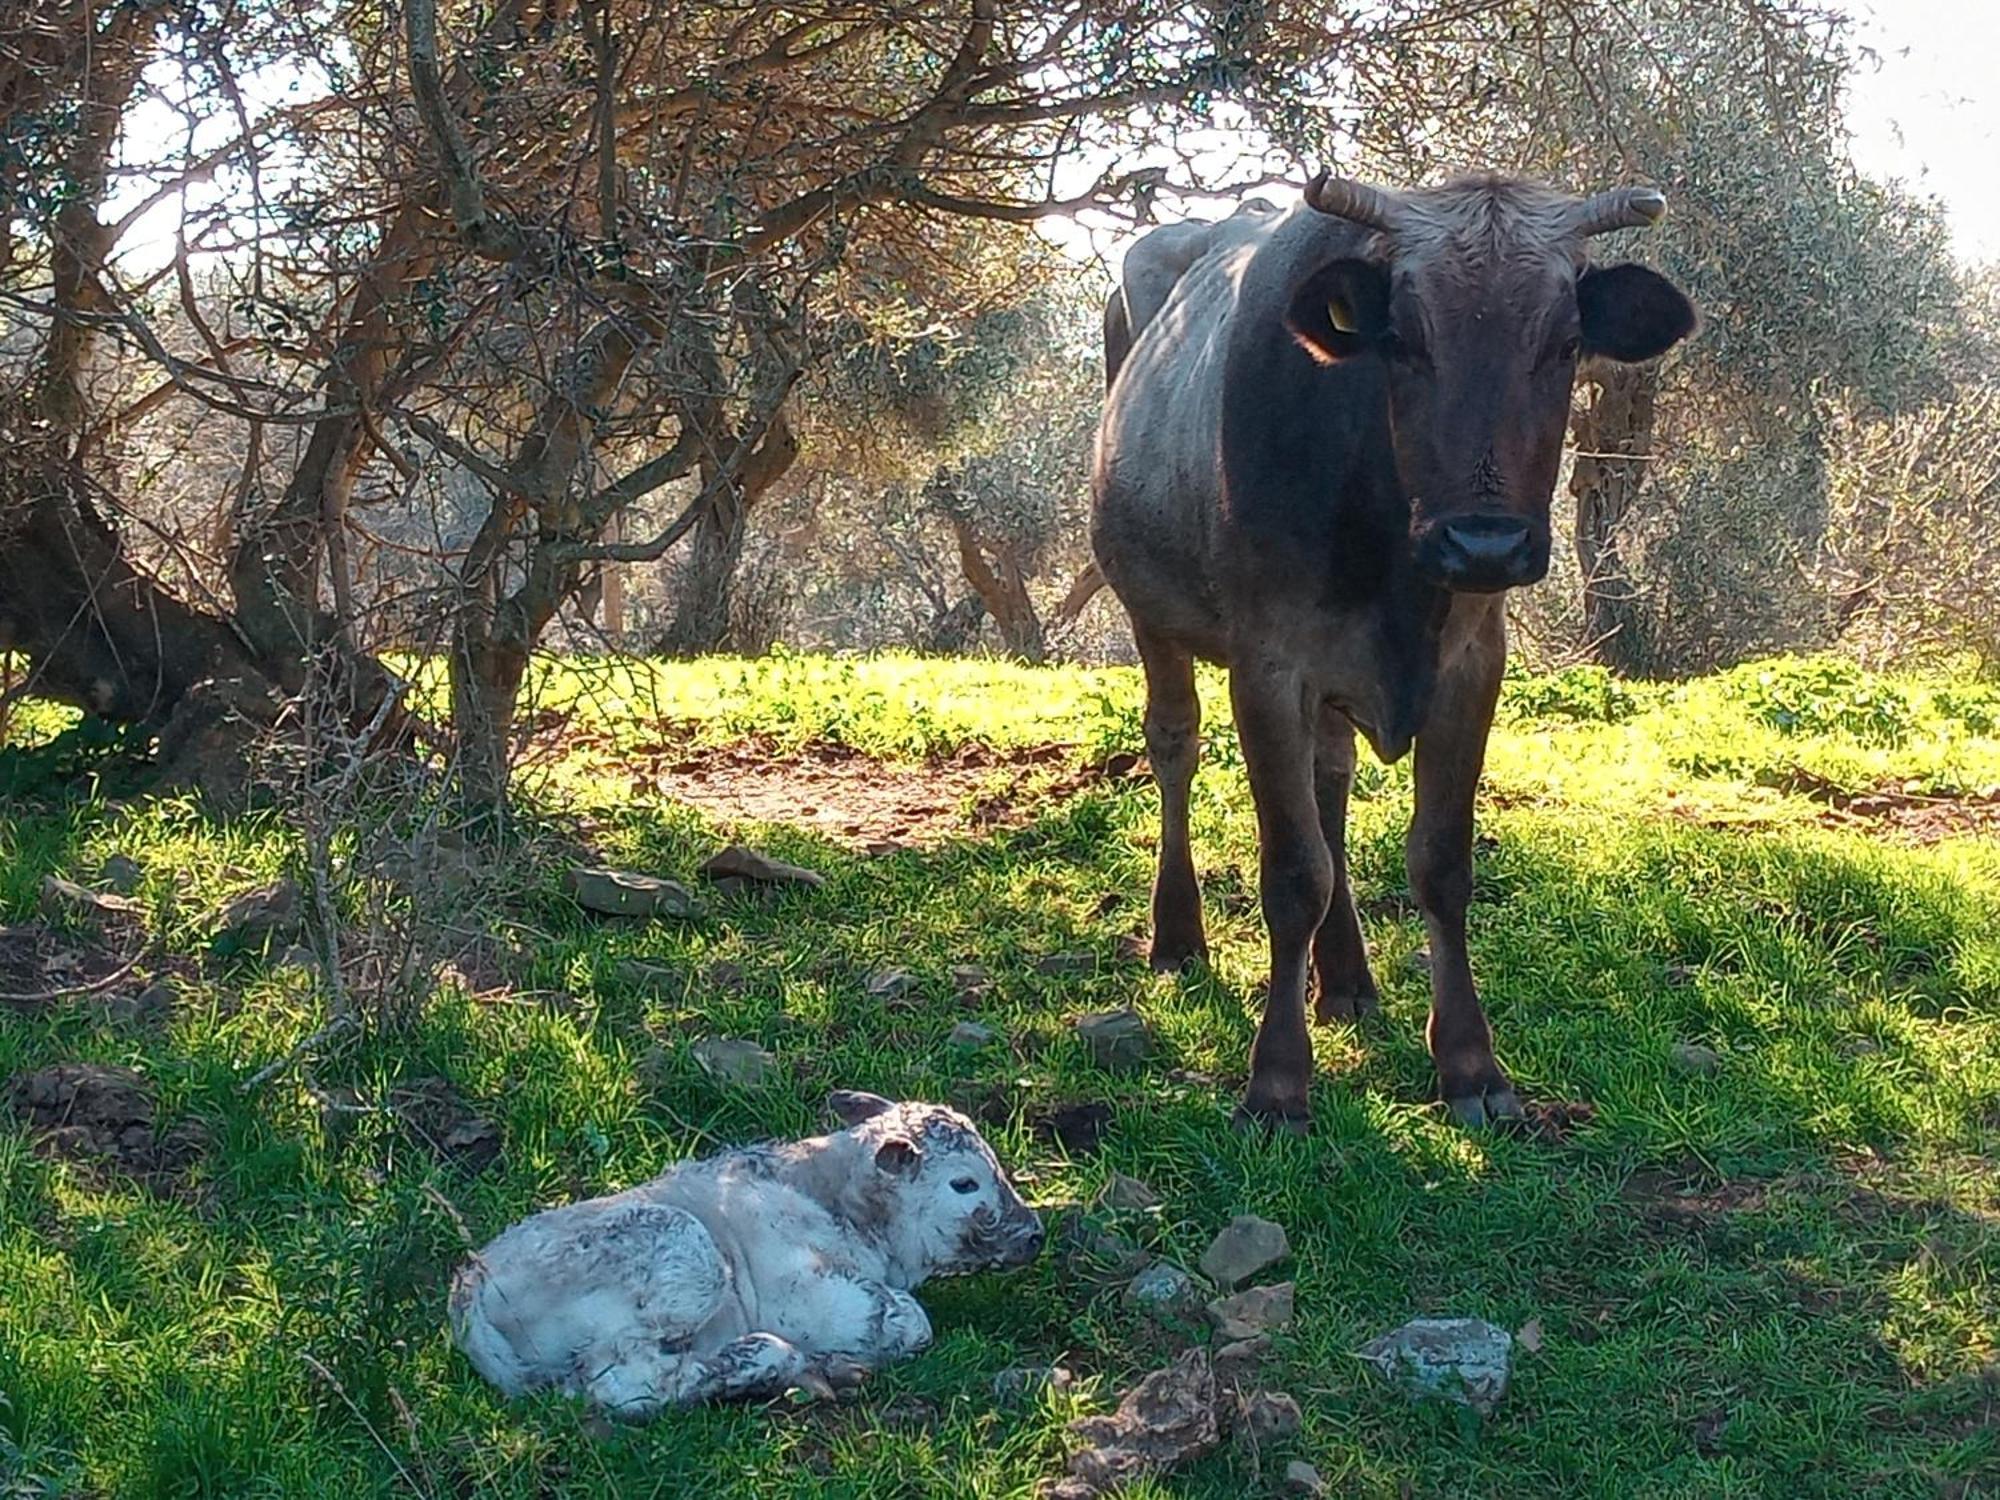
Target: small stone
641, 975
890, 985
1238, 1362
970, 979
65, 900
1077, 1128
1021, 1383
1133, 947
970, 1036
1084, 1244
734, 1061
743, 863
1261, 1309
1693, 1057
624, 893
298, 956
1302, 1478
1420, 962
1272, 1416
155, 1002
1062, 964
254, 918
121, 873
1466, 1360
1128, 1195
1247, 1246
1163, 1289
1116, 1038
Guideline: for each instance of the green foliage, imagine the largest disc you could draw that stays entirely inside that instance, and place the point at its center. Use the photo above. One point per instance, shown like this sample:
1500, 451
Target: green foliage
1586, 693
1823, 695
90, 749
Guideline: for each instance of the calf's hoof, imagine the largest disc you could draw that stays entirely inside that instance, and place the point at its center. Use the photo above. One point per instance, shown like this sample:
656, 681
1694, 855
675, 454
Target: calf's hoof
1485, 1107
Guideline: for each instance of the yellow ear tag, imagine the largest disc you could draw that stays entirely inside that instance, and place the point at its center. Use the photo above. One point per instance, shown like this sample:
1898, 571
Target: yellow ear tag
1340, 317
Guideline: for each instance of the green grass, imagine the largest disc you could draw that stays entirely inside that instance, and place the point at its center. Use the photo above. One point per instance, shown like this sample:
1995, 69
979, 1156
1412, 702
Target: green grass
1776, 1281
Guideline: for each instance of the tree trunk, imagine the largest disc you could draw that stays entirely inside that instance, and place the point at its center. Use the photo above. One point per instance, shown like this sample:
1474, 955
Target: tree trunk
1614, 436
1003, 586
705, 583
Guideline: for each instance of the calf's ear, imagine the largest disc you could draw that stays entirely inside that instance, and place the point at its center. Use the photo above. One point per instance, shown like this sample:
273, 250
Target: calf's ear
851, 1107
1630, 313
898, 1157
1341, 310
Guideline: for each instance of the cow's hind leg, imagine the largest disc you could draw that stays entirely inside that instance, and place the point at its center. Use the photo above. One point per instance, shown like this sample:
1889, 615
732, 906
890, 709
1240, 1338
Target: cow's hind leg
1450, 753
1173, 744
1296, 880
1343, 988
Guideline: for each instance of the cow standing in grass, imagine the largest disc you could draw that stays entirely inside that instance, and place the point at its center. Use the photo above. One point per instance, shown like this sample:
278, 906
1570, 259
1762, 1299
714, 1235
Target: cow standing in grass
1322, 461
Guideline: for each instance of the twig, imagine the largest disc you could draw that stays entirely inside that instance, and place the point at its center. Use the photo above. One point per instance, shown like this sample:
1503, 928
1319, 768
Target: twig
43, 996
362, 1417
326, 1033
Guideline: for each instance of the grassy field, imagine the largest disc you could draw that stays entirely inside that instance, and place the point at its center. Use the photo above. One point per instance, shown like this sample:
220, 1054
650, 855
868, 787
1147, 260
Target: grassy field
1779, 1276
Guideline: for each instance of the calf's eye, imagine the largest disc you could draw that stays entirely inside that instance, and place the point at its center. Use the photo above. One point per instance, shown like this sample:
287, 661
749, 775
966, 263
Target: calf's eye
965, 1184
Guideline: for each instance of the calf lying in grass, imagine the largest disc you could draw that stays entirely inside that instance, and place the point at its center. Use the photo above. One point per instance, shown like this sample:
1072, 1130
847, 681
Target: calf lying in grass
748, 1273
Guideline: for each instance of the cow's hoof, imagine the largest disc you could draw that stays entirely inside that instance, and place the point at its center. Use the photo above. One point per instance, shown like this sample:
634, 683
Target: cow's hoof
1271, 1119
1341, 1005
1489, 1106
1170, 956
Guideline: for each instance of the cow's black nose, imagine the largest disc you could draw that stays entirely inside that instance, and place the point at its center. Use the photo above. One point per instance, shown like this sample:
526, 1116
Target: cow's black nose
1482, 554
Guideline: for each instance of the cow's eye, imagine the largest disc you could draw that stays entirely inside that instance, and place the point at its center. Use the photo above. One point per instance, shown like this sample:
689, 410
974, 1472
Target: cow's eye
965, 1184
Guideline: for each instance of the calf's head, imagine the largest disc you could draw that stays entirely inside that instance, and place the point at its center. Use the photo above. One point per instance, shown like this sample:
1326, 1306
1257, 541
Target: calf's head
938, 1201
1479, 301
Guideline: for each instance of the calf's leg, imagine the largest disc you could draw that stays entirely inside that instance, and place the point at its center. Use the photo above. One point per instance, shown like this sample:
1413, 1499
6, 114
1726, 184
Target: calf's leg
1343, 988
1173, 744
1295, 880
637, 1380
1451, 751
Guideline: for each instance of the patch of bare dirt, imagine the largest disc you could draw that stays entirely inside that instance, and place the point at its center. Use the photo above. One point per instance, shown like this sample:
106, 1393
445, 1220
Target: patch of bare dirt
39, 965
1922, 818
855, 799
103, 1117
445, 1125
1677, 1198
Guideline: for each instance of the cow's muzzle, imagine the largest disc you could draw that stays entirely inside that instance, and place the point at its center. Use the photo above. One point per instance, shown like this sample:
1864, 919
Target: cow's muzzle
1482, 554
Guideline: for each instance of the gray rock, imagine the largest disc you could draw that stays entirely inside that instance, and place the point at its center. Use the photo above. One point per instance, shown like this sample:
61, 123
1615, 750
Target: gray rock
1239, 1362
1018, 1384
1059, 965
66, 901
1262, 1309
734, 1061
1466, 1360
1246, 1247
1167, 1419
1128, 1195
156, 1002
1272, 1417
1116, 1038
971, 979
1302, 1478
1163, 1289
740, 862
254, 918
121, 873
623, 893
1091, 1249
1693, 1057
970, 1036
1420, 962
890, 984
298, 956
642, 975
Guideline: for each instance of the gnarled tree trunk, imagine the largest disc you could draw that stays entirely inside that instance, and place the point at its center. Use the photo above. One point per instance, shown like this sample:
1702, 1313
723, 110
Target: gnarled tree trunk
1614, 437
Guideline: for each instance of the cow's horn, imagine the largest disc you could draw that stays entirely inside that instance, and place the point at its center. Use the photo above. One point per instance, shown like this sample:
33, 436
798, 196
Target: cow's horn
1356, 202
1620, 208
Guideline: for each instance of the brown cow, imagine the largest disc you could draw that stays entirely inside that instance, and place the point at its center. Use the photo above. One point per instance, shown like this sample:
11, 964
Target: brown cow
1321, 463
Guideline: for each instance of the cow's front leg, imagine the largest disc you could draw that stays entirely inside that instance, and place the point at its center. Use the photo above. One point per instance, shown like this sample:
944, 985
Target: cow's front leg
1451, 750
1275, 725
850, 1326
1343, 988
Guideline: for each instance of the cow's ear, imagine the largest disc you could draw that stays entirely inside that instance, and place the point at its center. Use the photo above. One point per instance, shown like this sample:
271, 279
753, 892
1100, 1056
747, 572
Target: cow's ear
898, 1157
1630, 313
851, 1107
1341, 310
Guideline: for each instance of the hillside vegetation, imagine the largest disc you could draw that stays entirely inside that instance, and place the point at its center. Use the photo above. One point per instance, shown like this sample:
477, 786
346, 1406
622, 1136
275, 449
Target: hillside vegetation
1768, 1269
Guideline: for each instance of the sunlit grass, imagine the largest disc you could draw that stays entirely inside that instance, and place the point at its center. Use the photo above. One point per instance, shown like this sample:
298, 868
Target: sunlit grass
1777, 1280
